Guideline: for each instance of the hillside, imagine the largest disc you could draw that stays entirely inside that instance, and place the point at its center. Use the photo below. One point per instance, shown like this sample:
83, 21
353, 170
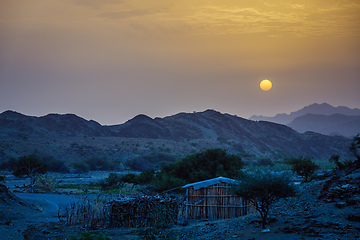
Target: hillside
336, 124
13, 124
69, 137
322, 109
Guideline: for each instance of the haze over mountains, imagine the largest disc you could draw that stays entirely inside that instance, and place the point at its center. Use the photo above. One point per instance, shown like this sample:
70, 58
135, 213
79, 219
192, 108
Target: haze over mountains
192, 131
321, 118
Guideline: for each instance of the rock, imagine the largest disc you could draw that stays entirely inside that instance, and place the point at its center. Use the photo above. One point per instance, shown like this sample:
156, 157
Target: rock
340, 204
353, 218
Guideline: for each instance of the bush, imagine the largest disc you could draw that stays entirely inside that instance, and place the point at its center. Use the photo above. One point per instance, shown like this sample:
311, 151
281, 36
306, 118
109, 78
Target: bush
304, 167
264, 162
54, 165
163, 182
138, 164
2, 178
113, 181
263, 188
205, 165
9, 165
158, 227
96, 163
46, 183
146, 176
80, 167
355, 147
90, 236
197, 167
29, 166
335, 159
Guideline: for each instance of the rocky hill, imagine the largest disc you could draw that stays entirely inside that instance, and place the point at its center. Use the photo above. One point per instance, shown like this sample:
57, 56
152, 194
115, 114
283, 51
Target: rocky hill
13, 124
69, 136
322, 109
336, 124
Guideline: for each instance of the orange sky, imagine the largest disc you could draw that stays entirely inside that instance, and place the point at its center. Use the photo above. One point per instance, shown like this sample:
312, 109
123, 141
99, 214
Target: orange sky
109, 60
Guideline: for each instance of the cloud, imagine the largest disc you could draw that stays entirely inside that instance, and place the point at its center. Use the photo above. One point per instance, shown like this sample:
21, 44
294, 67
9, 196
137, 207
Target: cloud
95, 3
129, 13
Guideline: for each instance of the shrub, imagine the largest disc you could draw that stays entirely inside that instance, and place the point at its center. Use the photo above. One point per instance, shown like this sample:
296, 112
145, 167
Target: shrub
146, 176
197, 167
263, 188
113, 181
265, 162
138, 164
54, 165
355, 147
97, 163
9, 165
46, 183
304, 167
163, 182
80, 167
90, 236
158, 227
339, 165
29, 166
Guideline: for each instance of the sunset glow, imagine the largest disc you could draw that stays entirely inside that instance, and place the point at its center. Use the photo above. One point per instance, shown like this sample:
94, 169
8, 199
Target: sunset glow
111, 60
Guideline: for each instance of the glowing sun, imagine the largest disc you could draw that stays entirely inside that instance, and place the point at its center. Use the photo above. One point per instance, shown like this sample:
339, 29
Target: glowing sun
265, 85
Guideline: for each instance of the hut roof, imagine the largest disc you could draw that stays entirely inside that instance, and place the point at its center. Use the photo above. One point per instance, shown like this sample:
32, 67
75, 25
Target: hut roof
210, 182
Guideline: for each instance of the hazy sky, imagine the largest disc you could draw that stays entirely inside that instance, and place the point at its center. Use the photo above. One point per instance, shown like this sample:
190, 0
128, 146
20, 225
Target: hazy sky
109, 60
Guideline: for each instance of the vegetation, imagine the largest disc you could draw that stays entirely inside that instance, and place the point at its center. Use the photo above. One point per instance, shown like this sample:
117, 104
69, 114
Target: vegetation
335, 159
158, 227
355, 147
262, 189
97, 163
90, 236
197, 167
116, 181
29, 166
54, 165
80, 167
304, 167
264, 162
113, 181
46, 183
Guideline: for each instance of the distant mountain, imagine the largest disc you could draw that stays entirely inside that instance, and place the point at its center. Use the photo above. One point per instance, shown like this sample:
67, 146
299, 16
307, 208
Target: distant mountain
13, 124
323, 109
209, 128
336, 124
206, 129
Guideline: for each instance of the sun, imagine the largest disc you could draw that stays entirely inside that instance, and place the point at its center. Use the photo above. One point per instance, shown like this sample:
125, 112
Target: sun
265, 85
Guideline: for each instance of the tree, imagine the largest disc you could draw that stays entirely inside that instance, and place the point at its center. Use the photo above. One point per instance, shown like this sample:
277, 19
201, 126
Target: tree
262, 189
304, 167
355, 147
29, 166
197, 167
204, 165
80, 167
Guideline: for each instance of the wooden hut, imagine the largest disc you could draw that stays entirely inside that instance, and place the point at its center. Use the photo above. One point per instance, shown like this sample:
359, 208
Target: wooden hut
214, 199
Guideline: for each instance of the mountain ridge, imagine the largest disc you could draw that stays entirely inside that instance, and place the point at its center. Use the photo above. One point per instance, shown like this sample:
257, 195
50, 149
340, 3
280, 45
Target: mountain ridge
335, 124
315, 108
200, 130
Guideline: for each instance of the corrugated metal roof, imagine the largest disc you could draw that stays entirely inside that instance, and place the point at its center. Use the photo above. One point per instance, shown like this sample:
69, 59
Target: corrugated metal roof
210, 182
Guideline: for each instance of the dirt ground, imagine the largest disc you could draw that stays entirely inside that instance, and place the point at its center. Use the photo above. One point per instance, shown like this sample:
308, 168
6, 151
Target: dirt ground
335, 215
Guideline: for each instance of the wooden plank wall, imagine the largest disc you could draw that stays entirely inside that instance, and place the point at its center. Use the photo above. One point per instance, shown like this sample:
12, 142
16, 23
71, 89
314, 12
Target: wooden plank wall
215, 202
